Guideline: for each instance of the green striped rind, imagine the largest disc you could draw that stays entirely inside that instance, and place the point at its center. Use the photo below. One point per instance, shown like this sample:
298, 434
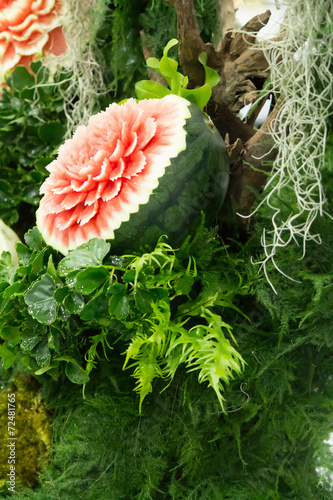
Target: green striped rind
196, 180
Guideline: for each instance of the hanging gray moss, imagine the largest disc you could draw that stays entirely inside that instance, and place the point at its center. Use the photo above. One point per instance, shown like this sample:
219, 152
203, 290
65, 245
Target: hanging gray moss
301, 69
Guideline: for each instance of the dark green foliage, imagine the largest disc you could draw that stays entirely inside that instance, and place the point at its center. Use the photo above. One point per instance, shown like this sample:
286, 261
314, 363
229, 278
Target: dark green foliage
59, 316
159, 21
31, 128
271, 441
205, 11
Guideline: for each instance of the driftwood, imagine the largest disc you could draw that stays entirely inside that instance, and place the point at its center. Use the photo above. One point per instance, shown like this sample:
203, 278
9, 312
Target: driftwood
243, 70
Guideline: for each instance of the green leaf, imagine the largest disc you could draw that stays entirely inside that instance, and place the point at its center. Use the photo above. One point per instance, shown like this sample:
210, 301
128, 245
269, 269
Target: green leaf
40, 300
168, 69
60, 294
212, 78
74, 302
34, 239
88, 280
143, 300
52, 132
76, 374
15, 289
42, 354
153, 63
28, 362
129, 276
184, 285
29, 340
169, 45
21, 78
7, 355
199, 97
16, 103
117, 288
148, 89
54, 339
91, 253
37, 265
96, 309
11, 334
47, 368
119, 306
23, 253
6, 197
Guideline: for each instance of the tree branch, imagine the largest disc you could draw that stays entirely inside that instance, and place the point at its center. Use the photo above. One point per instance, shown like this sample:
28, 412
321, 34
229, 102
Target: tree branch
250, 170
190, 42
226, 19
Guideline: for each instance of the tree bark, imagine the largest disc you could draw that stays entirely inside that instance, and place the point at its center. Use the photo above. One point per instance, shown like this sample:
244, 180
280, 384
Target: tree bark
190, 42
226, 19
250, 169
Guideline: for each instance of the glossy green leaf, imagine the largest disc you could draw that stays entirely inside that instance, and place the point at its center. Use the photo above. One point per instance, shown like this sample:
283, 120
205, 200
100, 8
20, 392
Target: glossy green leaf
91, 278
143, 300
52, 132
91, 253
96, 309
60, 294
76, 374
34, 239
119, 306
7, 355
11, 334
153, 63
15, 289
42, 354
74, 302
212, 78
45, 369
168, 69
29, 340
54, 339
40, 300
199, 96
21, 78
148, 89
169, 45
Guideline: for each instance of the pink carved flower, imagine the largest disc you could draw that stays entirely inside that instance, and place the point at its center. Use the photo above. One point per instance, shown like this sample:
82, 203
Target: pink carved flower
29, 28
109, 168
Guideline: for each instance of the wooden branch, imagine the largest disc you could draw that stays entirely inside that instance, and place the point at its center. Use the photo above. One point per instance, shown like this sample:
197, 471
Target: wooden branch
226, 19
227, 123
249, 171
241, 41
190, 42
245, 67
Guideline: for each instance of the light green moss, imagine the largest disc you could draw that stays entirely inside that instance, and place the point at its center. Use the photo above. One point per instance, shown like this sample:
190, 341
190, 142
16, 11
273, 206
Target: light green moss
33, 432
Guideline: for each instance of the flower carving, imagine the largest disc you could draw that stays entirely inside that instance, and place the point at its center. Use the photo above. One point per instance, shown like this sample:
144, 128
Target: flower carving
29, 28
108, 169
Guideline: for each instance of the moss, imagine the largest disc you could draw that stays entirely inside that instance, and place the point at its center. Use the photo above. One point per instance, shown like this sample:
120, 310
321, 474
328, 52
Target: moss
33, 431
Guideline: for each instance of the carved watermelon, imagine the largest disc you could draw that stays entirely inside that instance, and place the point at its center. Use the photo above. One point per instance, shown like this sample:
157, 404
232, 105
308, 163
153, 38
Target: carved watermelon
137, 171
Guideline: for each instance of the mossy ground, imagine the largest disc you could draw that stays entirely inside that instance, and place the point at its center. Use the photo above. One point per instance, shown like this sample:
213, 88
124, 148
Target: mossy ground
33, 431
